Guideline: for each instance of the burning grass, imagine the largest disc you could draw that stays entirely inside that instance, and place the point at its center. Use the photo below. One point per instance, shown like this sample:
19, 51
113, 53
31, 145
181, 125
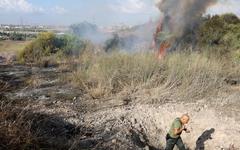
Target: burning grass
191, 73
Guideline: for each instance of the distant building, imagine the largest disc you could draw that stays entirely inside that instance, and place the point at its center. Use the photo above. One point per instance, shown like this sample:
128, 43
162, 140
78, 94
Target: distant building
60, 33
6, 27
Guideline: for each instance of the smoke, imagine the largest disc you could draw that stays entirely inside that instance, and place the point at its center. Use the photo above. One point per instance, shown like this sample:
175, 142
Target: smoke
178, 15
89, 31
132, 39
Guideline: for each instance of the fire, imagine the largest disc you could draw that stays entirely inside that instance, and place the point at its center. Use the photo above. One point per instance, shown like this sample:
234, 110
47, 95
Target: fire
174, 21
163, 49
160, 46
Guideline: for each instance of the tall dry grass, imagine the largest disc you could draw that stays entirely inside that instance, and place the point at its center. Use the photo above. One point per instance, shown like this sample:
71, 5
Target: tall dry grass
22, 128
194, 73
12, 46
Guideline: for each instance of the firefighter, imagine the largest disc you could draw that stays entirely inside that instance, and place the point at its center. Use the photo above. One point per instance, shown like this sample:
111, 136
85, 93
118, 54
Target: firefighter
173, 136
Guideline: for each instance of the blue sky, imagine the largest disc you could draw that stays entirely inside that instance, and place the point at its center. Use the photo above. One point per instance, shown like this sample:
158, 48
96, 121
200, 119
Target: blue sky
101, 12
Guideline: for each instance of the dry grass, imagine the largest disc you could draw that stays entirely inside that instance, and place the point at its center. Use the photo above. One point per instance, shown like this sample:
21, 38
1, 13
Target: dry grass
12, 46
195, 74
109, 74
21, 128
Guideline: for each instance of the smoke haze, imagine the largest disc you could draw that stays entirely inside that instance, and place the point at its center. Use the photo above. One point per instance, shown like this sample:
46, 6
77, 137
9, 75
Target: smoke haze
179, 14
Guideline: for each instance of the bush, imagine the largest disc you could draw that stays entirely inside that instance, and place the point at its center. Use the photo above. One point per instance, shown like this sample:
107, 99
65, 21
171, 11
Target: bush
212, 31
71, 45
230, 18
17, 36
47, 44
220, 31
42, 46
232, 37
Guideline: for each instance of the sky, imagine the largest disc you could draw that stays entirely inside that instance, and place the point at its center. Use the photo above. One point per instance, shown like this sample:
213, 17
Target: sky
100, 12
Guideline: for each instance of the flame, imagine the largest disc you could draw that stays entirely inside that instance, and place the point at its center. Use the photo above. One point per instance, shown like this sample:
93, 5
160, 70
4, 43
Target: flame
161, 49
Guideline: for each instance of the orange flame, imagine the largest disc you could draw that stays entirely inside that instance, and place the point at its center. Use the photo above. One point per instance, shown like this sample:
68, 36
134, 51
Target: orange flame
163, 49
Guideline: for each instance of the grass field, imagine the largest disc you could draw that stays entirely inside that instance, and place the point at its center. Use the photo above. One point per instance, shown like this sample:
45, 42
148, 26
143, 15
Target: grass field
12, 46
191, 73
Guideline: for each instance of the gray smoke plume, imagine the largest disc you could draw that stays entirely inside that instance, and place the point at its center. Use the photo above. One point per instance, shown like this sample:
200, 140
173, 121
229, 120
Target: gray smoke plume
178, 15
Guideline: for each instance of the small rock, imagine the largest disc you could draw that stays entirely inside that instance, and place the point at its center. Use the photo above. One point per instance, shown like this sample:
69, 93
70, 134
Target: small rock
122, 118
43, 97
107, 129
114, 141
146, 148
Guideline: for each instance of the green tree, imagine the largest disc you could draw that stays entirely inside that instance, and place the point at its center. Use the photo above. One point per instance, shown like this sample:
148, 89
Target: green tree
211, 31
220, 31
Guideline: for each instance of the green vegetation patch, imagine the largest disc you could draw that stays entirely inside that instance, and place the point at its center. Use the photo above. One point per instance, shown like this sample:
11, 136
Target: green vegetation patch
47, 44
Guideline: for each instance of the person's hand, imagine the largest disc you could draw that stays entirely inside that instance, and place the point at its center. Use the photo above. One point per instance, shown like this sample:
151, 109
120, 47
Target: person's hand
183, 128
186, 129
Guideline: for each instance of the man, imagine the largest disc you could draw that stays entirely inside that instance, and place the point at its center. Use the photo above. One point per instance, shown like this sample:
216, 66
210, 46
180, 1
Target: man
173, 137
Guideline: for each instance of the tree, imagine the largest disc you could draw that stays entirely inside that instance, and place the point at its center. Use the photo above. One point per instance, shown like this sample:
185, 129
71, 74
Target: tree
230, 18
219, 31
211, 31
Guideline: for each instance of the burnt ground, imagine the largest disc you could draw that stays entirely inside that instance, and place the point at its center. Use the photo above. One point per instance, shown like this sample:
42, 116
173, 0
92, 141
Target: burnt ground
52, 113
40, 111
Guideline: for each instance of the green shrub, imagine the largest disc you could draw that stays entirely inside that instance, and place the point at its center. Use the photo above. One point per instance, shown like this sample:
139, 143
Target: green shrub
47, 44
17, 36
42, 46
211, 31
71, 45
236, 56
220, 31
232, 37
